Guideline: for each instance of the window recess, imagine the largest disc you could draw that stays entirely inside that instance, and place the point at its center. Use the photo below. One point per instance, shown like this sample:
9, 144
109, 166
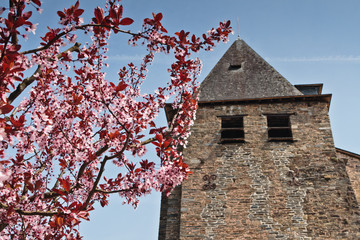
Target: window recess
232, 129
279, 128
234, 67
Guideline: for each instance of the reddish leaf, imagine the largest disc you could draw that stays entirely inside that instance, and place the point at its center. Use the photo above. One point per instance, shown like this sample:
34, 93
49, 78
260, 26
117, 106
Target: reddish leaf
166, 143
113, 14
22, 119
37, 2
67, 186
158, 17
19, 22
140, 136
10, 210
227, 23
8, 24
30, 186
126, 21
59, 220
76, 4
113, 135
84, 215
104, 202
193, 101
77, 99
98, 12
58, 191
73, 205
103, 134
18, 69
120, 12
78, 12
6, 109
163, 29
156, 144
38, 184
16, 78
17, 123
120, 87
63, 163
27, 15
131, 166
159, 137
61, 14
65, 183
52, 224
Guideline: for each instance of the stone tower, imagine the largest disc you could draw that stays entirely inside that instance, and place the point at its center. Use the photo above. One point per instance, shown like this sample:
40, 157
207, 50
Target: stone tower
263, 160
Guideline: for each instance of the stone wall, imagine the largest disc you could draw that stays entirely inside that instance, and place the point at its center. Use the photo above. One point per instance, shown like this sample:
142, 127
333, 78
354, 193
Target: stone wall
352, 168
170, 215
264, 190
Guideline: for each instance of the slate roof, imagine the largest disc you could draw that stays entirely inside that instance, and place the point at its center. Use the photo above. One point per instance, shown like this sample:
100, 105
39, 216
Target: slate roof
242, 74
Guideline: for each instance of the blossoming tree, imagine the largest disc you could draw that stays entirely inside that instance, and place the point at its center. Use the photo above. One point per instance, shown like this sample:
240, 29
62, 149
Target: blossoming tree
55, 144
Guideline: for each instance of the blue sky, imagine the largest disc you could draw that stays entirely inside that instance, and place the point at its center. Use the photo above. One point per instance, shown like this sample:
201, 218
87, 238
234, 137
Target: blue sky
307, 41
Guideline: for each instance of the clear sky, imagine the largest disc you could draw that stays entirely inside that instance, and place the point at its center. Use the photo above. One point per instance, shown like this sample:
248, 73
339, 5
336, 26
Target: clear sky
307, 41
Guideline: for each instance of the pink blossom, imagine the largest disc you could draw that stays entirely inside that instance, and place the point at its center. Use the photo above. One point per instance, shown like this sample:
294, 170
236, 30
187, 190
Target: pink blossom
4, 175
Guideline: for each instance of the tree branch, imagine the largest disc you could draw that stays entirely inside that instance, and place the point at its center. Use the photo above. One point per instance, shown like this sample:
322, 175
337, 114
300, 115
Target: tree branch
147, 141
46, 196
31, 213
11, 4
21, 87
75, 48
102, 168
4, 49
85, 164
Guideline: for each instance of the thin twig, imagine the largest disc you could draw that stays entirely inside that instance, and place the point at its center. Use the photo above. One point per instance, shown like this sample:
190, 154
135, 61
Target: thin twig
110, 192
23, 227
82, 27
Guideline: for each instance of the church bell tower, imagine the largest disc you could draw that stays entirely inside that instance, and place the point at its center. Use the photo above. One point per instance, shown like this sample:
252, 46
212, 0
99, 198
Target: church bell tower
263, 160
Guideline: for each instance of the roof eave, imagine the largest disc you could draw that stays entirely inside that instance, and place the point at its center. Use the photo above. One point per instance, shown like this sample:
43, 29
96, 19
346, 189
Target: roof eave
351, 154
323, 98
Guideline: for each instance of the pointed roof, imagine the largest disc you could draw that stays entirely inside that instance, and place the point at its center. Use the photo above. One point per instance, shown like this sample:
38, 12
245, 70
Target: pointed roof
242, 74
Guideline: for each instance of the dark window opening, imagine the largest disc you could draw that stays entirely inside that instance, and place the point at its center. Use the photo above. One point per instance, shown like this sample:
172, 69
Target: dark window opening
232, 129
232, 122
279, 128
232, 134
234, 67
310, 89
